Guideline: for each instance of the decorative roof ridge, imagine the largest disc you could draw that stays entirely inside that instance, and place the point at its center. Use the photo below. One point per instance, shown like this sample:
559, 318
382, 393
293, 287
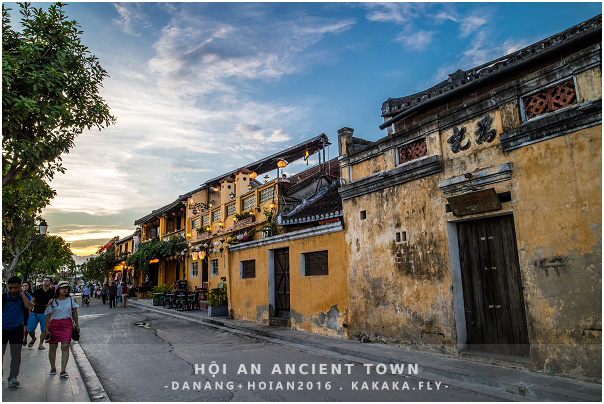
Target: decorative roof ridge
460, 78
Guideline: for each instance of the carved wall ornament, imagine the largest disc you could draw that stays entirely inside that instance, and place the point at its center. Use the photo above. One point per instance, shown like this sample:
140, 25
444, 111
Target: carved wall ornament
457, 138
484, 132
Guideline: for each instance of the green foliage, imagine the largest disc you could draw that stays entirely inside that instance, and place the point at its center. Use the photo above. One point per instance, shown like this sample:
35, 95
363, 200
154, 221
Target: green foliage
50, 85
242, 215
22, 204
271, 226
154, 249
218, 297
95, 268
161, 288
48, 255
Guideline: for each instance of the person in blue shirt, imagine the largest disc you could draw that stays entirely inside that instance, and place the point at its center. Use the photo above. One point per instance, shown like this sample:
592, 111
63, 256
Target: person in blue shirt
14, 301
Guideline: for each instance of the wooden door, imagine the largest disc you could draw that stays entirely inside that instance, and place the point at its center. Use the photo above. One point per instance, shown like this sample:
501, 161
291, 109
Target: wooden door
492, 288
282, 282
204, 272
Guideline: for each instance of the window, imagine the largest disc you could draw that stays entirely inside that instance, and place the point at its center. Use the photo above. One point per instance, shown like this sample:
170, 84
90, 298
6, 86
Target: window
249, 202
216, 215
247, 269
267, 194
205, 220
194, 269
195, 223
549, 99
231, 209
412, 151
214, 268
314, 263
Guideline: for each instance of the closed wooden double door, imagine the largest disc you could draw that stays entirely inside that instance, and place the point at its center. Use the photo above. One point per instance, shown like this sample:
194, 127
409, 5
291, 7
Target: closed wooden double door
492, 288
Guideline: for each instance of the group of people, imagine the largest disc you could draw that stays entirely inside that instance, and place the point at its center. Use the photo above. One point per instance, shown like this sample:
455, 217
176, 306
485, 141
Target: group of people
113, 292
53, 308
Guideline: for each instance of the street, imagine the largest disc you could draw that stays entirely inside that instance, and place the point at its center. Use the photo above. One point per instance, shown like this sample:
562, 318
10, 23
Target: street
143, 356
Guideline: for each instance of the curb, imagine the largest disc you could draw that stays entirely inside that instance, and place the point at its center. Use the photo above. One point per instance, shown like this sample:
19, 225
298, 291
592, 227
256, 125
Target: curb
95, 389
523, 390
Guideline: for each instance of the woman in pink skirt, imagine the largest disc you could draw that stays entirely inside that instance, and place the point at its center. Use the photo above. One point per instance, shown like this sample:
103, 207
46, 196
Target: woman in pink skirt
59, 313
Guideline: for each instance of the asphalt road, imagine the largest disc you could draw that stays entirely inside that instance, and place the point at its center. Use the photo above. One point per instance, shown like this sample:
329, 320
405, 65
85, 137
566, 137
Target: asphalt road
143, 356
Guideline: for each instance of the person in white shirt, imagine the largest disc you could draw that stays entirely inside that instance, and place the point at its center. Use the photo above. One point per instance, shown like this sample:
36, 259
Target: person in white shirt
61, 314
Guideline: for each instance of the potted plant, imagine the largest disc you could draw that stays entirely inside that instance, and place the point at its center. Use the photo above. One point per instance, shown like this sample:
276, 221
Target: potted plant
218, 302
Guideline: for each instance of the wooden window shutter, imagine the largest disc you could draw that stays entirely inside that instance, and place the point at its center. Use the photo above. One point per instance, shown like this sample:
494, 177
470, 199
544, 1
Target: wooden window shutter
249, 269
316, 263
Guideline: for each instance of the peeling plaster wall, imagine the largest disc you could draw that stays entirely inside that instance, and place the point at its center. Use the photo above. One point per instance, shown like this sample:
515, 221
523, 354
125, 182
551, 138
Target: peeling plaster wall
319, 304
402, 292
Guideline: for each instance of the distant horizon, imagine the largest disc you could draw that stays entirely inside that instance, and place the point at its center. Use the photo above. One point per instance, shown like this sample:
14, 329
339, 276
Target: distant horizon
199, 89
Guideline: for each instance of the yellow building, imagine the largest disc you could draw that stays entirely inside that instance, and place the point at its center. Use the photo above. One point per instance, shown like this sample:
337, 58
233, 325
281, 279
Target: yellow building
474, 226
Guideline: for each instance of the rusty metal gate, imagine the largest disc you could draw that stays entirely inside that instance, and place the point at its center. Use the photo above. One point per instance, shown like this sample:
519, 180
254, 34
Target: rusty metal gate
492, 289
282, 282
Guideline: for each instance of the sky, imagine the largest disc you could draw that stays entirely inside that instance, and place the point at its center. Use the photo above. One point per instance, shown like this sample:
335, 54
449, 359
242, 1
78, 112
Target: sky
199, 89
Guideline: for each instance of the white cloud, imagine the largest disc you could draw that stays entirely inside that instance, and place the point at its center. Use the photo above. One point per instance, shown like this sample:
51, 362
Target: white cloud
130, 14
398, 13
416, 41
199, 56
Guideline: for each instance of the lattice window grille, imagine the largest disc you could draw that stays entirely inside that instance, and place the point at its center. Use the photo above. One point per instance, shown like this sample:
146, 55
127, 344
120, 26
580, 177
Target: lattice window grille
216, 215
412, 151
205, 220
195, 223
550, 99
249, 202
267, 194
231, 209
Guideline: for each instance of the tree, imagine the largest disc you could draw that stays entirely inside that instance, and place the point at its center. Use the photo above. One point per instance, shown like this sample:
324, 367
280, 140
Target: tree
50, 85
21, 206
95, 268
48, 255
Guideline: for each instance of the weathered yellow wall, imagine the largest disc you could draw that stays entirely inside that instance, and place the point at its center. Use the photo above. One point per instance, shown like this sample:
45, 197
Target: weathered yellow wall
402, 292
368, 167
319, 304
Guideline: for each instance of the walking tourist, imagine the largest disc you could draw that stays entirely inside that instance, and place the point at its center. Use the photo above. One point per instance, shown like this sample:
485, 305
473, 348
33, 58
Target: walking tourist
61, 314
124, 294
41, 297
104, 292
26, 286
112, 294
14, 302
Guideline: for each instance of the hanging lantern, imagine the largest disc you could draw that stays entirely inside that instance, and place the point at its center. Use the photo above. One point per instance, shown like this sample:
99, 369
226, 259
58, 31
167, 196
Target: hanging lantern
195, 211
195, 253
202, 255
229, 239
216, 243
215, 251
266, 177
221, 249
272, 205
222, 240
253, 175
217, 188
239, 237
205, 246
281, 163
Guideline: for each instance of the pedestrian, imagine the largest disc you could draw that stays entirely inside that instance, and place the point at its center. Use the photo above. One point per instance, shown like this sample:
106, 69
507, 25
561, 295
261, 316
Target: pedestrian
14, 302
112, 294
86, 294
26, 286
61, 314
119, 291
124, 295
104, 292
41, 297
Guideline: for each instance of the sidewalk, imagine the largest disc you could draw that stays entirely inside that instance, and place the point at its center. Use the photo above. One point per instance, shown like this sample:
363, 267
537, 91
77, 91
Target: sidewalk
512, 384
37, 384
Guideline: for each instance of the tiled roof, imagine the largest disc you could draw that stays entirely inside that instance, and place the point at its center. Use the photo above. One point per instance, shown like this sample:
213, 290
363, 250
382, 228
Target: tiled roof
332, 167
325, 206
463, 78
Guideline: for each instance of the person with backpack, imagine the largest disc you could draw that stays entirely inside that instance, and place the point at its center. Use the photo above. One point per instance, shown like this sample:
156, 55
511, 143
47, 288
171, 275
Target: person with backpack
14, 302
61, 317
